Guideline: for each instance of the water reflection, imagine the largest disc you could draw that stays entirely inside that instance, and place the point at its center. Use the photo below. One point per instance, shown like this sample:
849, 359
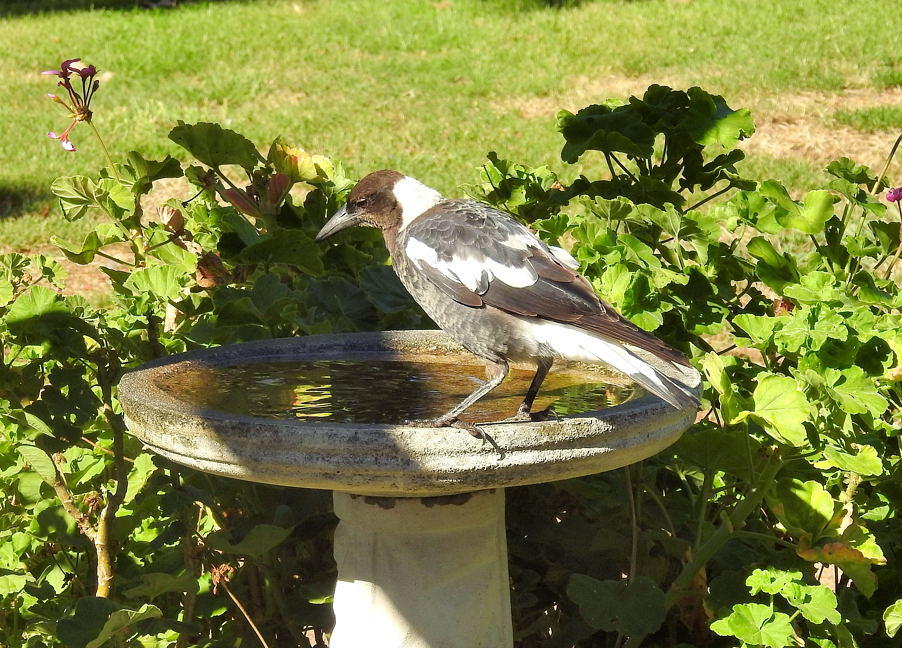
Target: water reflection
377, 391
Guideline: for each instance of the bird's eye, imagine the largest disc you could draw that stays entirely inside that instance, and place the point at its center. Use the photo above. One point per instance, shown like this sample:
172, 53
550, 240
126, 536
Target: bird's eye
360, 202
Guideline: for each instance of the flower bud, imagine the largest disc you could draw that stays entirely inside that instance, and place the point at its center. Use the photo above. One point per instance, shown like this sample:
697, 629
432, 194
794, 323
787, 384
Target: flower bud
240, 201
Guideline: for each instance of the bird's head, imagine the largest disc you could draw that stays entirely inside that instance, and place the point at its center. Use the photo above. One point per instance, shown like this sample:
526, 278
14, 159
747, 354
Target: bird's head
385, 199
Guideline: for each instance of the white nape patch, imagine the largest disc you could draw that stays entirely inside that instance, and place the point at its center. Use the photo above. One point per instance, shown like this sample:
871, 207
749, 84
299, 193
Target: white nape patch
474, 272
414, 198
564, 257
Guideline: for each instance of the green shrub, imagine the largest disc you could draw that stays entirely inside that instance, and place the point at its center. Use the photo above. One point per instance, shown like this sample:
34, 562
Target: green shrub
791, 473
96, 533
790, 479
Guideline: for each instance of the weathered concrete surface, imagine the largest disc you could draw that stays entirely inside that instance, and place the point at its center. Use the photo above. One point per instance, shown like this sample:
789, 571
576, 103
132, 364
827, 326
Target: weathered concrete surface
386, 460
422, 573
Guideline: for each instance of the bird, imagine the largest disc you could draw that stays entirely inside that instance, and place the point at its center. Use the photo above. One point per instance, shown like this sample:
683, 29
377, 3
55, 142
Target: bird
498, 290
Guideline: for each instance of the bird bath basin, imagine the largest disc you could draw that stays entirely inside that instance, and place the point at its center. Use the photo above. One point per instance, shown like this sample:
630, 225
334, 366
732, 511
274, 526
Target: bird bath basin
420, 547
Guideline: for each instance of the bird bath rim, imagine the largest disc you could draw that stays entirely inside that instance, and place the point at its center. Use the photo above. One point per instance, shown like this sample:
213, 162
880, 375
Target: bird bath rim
385, 459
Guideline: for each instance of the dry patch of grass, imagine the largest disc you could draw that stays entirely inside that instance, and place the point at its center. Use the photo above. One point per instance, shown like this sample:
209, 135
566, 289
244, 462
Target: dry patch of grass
802, 126
797, 126
582, 91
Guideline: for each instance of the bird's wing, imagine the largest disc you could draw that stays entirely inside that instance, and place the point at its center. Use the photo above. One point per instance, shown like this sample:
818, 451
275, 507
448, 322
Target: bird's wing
481, 256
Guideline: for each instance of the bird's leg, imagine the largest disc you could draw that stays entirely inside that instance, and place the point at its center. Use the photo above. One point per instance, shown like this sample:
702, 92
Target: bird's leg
524, 412
542, 369
496, 373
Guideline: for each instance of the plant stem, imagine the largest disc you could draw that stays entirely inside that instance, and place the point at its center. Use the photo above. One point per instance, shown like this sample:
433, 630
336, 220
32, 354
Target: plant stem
657, 500
634, 525
889, 269
703, 504
113, 259
244, 612
622, 166
607, 158
105, 562
65, 495
106, 151
724, 532
889, 159
764, 537
709, 197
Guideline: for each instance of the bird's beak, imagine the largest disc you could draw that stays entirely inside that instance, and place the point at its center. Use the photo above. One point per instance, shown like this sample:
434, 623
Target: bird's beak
339, 221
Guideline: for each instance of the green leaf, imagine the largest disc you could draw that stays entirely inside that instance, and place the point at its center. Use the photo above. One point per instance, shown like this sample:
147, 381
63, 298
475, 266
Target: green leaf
384, 289
809, 217
290, 246
759, 328
892, 618
771, 580
143, 172
757, 625
715, 450
153, 584
214, 145
816, 210
103, 235
141, 469
781, 408
846, 169
866, 463
39, 461
37, 302
12, 582
634, 609
121, 620
816, 287
157, 282
715, 369
774, 269
601, 128
854, 391
76, 195
262, 538
712, 121
804, 508
816, 602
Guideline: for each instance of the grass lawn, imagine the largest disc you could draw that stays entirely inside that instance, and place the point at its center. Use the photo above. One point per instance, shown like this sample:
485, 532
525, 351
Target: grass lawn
430, 87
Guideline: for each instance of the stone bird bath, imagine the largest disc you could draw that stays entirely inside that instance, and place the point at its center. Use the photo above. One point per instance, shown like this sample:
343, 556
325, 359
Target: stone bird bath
420, 546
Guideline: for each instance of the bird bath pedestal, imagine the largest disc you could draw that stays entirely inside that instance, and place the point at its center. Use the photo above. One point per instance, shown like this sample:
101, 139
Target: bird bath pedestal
420, 546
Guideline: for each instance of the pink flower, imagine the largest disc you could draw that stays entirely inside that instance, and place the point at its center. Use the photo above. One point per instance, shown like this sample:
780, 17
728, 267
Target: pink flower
79, 104
894, 194
65, 69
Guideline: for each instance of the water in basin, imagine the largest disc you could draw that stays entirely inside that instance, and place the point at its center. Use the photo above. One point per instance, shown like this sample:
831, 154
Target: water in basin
378, 391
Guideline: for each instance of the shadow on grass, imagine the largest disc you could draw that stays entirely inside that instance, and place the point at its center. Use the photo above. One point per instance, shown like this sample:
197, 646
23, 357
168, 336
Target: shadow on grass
15, 201
22, 7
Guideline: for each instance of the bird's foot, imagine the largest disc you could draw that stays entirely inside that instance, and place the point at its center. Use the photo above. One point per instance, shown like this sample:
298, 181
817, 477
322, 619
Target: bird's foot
476, 430
473, 428
524, 416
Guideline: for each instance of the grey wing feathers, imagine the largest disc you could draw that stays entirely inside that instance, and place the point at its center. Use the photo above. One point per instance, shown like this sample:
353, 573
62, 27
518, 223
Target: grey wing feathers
479, 255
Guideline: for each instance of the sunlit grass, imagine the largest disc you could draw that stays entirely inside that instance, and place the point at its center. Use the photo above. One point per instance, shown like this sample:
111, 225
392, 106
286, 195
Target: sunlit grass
422, 87
871, 119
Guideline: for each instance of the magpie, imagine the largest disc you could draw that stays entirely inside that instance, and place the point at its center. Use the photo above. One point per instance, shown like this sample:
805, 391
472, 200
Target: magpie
498, 290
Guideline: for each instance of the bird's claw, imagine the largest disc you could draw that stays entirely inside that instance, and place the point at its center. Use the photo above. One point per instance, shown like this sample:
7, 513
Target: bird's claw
476, 430
522, 416
473, 428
